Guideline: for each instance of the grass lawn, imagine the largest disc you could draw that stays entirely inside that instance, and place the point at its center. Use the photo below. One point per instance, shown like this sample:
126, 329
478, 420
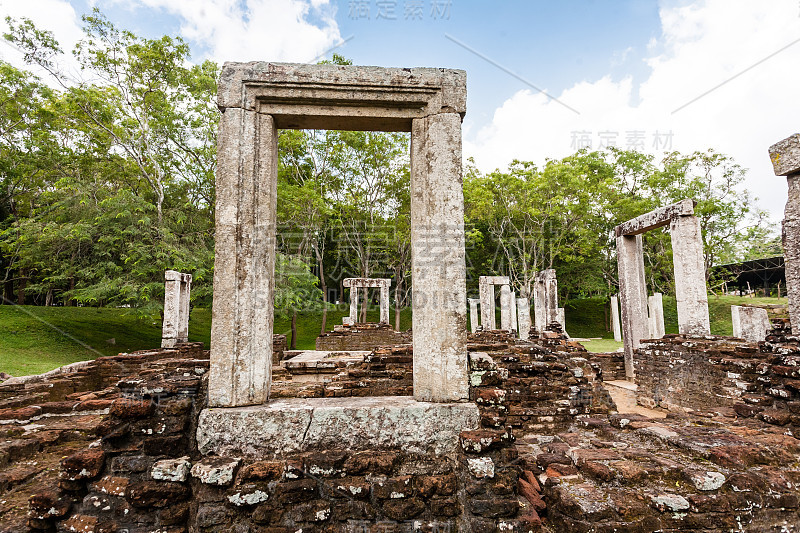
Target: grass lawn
586, 318
38, 339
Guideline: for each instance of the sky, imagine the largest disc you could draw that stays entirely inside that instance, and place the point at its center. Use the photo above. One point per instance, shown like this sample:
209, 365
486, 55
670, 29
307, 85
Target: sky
543, 78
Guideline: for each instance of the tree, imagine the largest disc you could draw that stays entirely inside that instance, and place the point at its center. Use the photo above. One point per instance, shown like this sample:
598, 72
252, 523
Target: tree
136, 195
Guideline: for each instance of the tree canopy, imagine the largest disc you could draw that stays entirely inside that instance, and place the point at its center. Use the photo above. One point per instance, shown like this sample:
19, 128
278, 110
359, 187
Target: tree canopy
107, 180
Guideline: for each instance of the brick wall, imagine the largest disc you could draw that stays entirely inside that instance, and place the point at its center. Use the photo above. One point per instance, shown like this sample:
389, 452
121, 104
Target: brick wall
361, 337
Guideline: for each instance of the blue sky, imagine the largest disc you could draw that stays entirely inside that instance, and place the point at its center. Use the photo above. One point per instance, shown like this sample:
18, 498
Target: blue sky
626, 68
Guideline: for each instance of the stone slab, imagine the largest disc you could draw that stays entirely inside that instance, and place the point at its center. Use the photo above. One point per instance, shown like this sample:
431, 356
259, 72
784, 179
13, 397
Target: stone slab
750, 323
367, 282
656, 218
785, 156
304, 424
313, 359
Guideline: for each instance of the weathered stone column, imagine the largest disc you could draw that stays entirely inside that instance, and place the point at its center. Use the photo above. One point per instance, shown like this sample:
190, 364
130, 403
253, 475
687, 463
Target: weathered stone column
524, 311
785, 156
505, 307
486, 288
539, 303
172, 309
385, 302
615, 327
473, 314
551, 296
438, 262
353, 316
244, 266
655, 306
185, 300
514, 312
633, 296
690, 276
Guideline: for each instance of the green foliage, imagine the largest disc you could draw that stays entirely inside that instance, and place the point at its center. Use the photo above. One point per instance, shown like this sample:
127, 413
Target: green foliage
109, 180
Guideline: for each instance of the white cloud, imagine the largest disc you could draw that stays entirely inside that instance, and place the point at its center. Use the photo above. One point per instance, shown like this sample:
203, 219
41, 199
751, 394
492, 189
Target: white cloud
56, 16
702, 45
248, 30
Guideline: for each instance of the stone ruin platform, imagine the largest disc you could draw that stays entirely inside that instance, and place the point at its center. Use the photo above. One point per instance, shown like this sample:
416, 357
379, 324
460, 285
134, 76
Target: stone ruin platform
540, 448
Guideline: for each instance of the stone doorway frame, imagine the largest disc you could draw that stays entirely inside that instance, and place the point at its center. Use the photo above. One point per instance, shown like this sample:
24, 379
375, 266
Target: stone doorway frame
356, 285
257, 99
689, 267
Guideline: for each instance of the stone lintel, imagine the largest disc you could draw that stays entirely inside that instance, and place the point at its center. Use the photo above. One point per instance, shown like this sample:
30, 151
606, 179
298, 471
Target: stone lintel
785, 156
494, 280
174, 275
366, 282
342, 96
304, 424
656, 218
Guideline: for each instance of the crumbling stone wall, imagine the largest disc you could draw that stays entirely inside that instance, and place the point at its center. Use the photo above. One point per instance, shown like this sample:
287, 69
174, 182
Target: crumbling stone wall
757, 380
361, 337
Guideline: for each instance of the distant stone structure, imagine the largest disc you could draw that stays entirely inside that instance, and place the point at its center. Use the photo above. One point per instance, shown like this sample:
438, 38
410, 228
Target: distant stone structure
690, 281
474, 317
367, 283
615, 325
655, 309
486, 286
785, 156
523, 312
177, 292
750, 323
545, 301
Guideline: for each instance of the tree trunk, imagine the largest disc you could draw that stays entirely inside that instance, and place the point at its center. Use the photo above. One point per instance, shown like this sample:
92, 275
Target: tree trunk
48, 301
23, 281
293, 343
68, 302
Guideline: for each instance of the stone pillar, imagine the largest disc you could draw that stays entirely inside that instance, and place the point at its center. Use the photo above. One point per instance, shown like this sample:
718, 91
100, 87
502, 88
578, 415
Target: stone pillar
690, 276
473, 314
655, 305
438, 264
354, 294
615, 319
551, 296
539, 303
244, 265
514, 312
185, 300
524, 311
785, 156
505, 307
172, 309
633, 296
385, 302
750, 323
488, 320
561, 318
